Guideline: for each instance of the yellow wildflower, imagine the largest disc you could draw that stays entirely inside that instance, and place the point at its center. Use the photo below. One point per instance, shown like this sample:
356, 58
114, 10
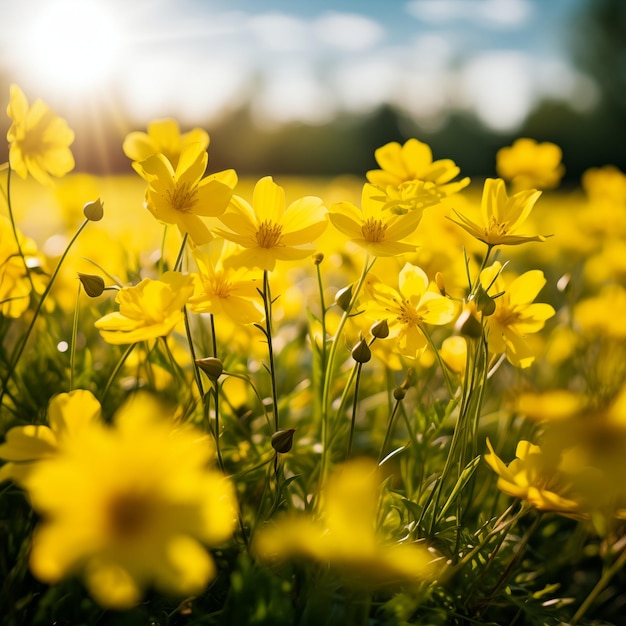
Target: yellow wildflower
414, 161
374, 227
39, 140
590, 314
515, 315
180, 195
148, 310
501, 215
27, 445
130, 505
530, 165
163, 137
346, 536
267, 231
606, 183
221, 289
408, 308
534, 477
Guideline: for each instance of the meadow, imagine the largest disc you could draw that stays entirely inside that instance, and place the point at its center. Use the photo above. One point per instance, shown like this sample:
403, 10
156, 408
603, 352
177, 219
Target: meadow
394, 399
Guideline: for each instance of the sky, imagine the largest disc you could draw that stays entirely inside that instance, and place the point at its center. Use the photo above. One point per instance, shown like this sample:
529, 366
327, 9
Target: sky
295, 60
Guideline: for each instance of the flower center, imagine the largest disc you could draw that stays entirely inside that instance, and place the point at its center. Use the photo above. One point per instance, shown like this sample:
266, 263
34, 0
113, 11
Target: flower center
496, 228
182, 197
373, 230
269, 234
220, 287
407, 314
129, 515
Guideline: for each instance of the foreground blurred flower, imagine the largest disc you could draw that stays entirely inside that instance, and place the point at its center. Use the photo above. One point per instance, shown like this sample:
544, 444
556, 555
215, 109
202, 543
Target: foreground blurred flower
408, 308
68, 413
268, 231
414, 161
163, 137
501, 215
534, 477
530, 165
39, 140
130, 505
148, 310
346, 536
180, 195
515, 315
374, 227
221, 289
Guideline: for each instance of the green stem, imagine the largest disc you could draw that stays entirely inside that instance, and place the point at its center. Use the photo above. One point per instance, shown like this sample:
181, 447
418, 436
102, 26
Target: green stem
608, 574
355, 402
267, 304
116, 371
389, 430
74, 335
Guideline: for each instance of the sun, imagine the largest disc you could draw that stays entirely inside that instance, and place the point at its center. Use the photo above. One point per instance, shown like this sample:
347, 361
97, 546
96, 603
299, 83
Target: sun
73, 45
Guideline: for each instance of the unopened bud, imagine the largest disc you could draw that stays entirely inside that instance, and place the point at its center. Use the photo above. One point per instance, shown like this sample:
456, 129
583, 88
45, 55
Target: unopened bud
282, 440
361, 353
484, 302
92, 284
441, 285
399, 393
380, 329
318, 258
94, 211
343, 298
468, 326
211, 366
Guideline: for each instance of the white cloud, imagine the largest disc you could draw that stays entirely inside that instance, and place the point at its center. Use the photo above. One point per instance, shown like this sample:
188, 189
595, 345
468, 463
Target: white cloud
348, 31
486, 13
280, 32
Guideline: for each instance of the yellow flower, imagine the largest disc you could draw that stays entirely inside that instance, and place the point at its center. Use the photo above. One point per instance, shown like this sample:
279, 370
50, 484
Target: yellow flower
27, 445
148, 310
516, 315
15, 288
221, 289
414, 161
534, 477
408, 308
267, 230
346, 536
374, 227
39, 140
180, 195
606, 183
590, 314
163, 137
130, 505
501, 215
530, 165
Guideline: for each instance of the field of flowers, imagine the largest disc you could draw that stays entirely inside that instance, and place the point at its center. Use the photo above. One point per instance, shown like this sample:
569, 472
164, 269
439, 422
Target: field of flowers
391, 400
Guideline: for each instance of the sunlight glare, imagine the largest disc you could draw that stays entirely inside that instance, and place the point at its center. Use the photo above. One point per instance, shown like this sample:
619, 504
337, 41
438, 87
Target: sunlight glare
73, 44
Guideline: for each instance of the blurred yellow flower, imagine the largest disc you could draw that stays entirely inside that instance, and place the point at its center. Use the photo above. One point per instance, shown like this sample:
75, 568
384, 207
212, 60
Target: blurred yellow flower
454, 353
530, 165
414, 161
268, 231
25, 446
345, 537
606, 183
221, 289
374, 227
181, 195
516, 315
590, 314
534, 477
148, 310
408, 308
163, 137
130, 505
501, 215
15, 288
39, 140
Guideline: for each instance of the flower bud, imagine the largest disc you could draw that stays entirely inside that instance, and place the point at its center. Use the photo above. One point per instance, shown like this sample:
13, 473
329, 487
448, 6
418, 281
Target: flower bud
361, 353
380, 329
318, 258
282, 440
441, 285
211, 366
467, 324
399, 393
92, 284
344, 297
484, 302
94, 211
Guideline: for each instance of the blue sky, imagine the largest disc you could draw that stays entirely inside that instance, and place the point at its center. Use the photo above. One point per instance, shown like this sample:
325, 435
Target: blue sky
296, 60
